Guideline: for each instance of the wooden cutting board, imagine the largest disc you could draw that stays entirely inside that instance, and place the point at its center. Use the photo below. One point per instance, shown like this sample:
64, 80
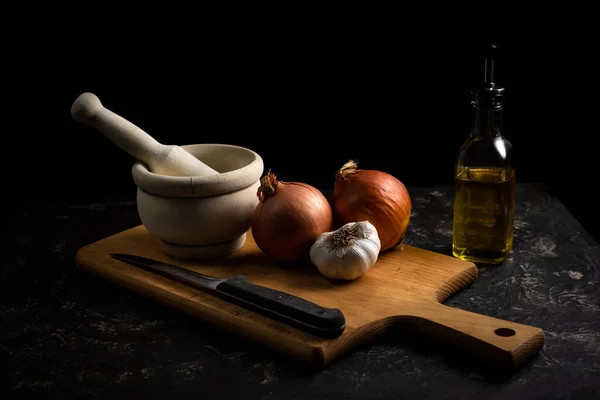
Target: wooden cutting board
406, 286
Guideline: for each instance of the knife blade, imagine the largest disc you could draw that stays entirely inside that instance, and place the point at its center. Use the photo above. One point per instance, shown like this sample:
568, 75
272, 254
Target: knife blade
284, 307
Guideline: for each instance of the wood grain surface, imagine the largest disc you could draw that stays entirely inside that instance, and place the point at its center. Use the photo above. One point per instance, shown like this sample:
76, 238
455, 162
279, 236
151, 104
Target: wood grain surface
405, 287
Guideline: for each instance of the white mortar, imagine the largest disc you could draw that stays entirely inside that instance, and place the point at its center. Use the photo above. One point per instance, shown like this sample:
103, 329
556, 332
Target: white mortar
201, 216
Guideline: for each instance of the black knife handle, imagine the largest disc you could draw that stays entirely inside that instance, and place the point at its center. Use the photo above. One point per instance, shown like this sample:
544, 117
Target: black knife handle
287, 308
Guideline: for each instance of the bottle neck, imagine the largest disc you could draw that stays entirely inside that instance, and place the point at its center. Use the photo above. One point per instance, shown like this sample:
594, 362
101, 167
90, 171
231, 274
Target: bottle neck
487, 122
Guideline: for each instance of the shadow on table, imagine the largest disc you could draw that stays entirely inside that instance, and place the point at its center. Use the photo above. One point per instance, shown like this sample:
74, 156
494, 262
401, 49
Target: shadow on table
458, 358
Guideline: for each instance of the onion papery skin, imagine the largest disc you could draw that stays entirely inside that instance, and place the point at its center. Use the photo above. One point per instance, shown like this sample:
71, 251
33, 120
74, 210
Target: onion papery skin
375, 196
289, 218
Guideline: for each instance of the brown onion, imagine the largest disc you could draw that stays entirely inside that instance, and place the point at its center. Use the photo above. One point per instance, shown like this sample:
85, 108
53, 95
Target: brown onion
375, 196
289, 218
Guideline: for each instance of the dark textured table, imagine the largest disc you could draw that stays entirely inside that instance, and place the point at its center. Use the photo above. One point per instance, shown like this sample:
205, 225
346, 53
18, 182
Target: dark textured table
66, 334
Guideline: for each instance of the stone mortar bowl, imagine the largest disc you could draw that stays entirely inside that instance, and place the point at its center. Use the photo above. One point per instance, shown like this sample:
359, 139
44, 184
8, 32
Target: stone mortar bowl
201, 217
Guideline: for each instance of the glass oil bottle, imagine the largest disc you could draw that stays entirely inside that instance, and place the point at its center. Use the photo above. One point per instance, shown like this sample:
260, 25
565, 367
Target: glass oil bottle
484, 195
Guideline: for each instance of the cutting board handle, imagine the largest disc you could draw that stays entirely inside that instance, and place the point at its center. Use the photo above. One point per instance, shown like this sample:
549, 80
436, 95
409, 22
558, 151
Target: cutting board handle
506, 344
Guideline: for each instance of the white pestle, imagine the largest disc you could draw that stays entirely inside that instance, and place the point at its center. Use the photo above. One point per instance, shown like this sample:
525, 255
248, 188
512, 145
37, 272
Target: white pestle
161, 159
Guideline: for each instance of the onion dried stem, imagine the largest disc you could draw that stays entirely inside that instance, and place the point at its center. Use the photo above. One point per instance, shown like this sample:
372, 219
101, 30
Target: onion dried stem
268, 186
348, 169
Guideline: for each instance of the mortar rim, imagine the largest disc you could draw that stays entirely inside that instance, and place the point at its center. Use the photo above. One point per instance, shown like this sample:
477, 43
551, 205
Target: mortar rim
199, 186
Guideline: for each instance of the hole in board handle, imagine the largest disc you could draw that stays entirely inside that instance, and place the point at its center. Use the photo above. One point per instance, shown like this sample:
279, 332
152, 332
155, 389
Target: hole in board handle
505, 332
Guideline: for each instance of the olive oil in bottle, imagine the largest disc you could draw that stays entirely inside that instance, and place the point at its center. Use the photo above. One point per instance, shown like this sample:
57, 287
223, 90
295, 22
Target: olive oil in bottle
484, 180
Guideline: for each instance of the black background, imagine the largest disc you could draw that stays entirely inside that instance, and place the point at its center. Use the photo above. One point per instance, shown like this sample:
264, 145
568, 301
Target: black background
305, 101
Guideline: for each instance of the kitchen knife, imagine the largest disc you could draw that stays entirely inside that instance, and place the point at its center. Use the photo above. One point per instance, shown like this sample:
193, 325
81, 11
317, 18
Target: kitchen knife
287, 308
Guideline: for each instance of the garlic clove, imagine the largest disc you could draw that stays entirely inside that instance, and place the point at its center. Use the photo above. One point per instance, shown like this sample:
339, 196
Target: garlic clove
370, 250
333, 268
355, 266
317, 254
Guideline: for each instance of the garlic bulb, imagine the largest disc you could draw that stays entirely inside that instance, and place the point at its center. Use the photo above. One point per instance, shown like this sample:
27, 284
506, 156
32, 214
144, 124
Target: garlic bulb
348, 252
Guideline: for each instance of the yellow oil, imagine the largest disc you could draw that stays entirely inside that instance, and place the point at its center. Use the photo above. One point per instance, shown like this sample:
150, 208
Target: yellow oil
483, 214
